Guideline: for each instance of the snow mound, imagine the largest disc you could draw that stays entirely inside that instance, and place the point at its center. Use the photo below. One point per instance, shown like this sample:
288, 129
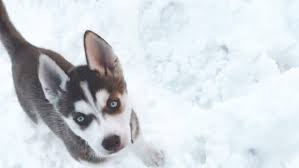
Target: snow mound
214, 82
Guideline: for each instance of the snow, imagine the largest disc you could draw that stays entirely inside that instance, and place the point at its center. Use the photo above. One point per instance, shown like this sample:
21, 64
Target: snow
214, 82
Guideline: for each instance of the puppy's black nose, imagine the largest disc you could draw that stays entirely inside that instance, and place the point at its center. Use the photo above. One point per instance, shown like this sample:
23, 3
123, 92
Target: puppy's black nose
111, 143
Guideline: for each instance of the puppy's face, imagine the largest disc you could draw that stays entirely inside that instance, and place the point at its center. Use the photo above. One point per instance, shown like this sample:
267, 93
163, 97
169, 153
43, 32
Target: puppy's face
100, 112
92, 98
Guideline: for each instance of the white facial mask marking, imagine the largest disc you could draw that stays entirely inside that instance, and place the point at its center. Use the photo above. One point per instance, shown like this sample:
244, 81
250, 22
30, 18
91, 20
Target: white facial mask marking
117, 124
102, 97
83, 107
88, 95
110, 125
92, 135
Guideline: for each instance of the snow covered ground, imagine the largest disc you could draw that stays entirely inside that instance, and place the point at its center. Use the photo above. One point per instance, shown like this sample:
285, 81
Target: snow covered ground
215, 82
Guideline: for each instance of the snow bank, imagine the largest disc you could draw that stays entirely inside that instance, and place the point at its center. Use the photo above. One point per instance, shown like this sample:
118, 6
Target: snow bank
215, 82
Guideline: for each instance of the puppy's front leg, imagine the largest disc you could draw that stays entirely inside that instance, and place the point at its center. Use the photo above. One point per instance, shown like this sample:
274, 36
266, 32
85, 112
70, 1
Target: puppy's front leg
150, 156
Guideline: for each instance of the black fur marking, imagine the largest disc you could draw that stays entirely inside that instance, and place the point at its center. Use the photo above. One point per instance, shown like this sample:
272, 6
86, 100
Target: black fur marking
95, 83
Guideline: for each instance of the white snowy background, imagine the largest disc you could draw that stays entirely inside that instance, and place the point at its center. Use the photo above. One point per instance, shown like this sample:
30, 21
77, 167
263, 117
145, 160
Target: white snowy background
215, 82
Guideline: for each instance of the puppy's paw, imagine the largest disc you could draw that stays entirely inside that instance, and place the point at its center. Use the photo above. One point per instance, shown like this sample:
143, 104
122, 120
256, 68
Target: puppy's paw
153, 157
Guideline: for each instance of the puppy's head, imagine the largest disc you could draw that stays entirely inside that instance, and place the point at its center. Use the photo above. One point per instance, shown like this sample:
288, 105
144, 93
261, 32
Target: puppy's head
92, 98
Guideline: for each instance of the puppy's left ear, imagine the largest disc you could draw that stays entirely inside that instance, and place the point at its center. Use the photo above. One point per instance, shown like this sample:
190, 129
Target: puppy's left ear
100, 56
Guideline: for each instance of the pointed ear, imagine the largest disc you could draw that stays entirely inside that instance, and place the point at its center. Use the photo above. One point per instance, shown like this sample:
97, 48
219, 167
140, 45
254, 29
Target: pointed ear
52, 78
100, 56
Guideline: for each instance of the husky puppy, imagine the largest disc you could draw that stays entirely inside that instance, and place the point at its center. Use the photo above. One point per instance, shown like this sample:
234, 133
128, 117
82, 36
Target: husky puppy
85, 106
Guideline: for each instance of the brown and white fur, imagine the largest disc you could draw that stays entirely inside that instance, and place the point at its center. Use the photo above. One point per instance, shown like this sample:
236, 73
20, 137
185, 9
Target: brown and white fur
85, 106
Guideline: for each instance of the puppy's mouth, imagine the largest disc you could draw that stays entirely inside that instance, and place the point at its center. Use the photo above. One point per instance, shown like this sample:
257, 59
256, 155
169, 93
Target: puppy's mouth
118, 150
134, 131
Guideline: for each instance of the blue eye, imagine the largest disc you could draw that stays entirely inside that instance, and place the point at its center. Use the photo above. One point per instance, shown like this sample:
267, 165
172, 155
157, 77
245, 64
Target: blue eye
82, 119
113, 104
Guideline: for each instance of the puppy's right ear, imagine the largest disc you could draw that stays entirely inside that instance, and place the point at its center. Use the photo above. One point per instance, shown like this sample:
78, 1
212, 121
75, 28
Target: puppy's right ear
52, 78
